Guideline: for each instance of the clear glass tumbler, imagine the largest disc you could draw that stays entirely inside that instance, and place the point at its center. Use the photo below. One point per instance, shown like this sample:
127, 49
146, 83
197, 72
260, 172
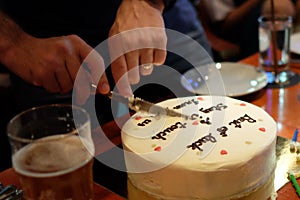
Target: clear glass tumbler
274, 47
52, 152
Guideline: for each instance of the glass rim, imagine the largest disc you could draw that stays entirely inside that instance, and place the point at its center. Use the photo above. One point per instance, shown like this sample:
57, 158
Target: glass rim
25, 140
277, 17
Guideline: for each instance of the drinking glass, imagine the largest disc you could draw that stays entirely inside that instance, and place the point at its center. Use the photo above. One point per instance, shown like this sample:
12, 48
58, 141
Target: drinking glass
52, 152
274, 47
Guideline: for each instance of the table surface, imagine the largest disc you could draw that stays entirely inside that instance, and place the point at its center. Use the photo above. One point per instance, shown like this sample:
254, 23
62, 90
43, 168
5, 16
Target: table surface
283, 104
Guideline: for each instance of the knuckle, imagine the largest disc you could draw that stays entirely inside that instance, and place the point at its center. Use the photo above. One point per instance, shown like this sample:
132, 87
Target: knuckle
73, 37
63, 48
66, 45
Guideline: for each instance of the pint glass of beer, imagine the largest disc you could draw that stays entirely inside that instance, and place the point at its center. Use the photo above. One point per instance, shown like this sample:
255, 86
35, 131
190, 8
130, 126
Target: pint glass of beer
52, 152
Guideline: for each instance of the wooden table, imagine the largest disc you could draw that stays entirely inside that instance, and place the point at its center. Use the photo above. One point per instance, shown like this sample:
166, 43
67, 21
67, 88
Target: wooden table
283, 104
10, 177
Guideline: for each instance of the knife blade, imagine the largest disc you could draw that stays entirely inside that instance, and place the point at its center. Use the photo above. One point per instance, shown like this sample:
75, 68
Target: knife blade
138, 104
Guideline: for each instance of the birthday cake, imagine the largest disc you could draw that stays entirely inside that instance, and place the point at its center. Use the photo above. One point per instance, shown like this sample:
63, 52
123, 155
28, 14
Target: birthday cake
225, 149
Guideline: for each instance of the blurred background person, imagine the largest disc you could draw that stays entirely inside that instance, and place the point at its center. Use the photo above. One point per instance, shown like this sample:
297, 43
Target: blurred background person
236, 20
183, 17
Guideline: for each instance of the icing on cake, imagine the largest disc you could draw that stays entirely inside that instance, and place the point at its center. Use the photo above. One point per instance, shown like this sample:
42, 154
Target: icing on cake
225, 150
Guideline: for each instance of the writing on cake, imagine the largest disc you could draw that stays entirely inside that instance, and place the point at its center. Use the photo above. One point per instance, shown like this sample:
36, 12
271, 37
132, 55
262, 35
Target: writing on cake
218, 107
189, 102
169, 130
222, 131
208, 138
237, 122
197, 144
211, 137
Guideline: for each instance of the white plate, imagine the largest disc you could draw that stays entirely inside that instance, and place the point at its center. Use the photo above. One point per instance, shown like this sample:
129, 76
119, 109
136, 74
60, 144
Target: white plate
225, 78
295, 43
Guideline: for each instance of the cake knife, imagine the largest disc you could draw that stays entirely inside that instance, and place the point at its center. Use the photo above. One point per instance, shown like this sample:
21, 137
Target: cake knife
138, 104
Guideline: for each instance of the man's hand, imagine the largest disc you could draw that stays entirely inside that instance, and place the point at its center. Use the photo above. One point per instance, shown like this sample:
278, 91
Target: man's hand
137, 38
53, 63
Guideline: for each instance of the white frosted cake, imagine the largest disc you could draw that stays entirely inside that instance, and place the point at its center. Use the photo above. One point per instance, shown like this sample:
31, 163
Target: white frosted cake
225, 150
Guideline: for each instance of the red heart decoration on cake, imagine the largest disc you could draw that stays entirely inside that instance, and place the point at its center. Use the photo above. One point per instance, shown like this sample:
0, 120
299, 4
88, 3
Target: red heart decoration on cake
223, 152
158, 148
242, 104
262, 129
200, 98
138, 117
195, 123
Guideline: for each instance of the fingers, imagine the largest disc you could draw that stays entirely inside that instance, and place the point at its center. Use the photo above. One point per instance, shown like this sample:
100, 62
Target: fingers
82, 86
51, 84
89, 79
64, 79
146, 60
127, 68
135, 52
159, 56
45, 78
58, 81
95, 65
119, 71
132, 62
85, 68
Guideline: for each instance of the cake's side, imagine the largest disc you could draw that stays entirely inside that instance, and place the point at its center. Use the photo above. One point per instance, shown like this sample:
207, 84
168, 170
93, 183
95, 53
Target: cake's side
226, 149
173, 182
262, 193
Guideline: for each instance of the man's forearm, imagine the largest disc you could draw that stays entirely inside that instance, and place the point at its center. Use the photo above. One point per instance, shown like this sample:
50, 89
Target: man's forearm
236, 16
10, 35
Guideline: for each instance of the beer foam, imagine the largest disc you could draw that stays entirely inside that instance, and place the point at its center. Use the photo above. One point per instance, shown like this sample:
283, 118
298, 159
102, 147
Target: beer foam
53, 155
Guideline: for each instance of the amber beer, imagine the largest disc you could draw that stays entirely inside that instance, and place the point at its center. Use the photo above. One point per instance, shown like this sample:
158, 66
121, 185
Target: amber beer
55, 167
